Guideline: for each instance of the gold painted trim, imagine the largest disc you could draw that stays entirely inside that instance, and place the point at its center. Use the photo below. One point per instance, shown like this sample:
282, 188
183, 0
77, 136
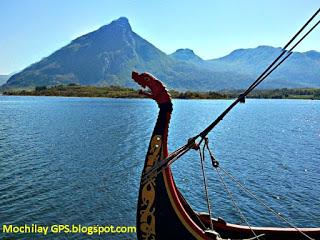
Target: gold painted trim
147, 219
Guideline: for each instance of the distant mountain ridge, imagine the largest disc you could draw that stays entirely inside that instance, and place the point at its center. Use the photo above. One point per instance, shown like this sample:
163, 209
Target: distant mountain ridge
299, 70
187, 55
108, 55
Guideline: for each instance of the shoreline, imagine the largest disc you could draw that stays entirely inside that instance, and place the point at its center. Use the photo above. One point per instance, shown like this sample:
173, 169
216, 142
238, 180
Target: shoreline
121, 92
217, 99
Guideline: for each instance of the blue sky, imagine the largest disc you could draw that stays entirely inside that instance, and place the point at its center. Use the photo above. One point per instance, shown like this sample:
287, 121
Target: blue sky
33, 29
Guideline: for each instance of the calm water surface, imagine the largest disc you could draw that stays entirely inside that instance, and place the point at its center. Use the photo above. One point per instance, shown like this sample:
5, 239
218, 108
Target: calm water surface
78, 160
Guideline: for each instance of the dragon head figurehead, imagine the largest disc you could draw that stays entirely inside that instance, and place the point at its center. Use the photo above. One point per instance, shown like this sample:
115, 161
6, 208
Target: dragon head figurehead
147, 209
158, 90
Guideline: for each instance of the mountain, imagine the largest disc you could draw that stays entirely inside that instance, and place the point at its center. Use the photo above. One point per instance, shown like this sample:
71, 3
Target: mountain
108, 55
299, 70
102, 57
187, 55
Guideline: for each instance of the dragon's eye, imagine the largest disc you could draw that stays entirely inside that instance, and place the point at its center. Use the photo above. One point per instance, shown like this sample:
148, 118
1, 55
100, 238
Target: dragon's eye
146, 78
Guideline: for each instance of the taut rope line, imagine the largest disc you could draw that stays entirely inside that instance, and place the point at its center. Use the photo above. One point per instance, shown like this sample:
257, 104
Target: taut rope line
160, 166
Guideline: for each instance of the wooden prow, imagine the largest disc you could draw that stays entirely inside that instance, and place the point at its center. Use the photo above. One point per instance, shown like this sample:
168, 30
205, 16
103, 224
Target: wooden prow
162, 212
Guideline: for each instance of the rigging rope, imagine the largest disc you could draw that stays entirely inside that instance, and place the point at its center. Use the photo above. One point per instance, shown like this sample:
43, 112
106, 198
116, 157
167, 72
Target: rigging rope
215, 164
261, 77
289, 52
262, 202
202, 156
261, 235
160, 166
242, 217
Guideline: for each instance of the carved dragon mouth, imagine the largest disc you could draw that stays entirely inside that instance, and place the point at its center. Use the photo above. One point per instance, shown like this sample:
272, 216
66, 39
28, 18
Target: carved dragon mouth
151, 87
134, 75
138, 78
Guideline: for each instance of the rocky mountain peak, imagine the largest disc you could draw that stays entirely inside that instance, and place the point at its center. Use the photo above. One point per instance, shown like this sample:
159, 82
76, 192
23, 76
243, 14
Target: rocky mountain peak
185, 54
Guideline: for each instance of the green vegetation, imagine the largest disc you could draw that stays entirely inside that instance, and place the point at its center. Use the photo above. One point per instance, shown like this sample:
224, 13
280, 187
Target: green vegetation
197, 95
74, 90
284, 93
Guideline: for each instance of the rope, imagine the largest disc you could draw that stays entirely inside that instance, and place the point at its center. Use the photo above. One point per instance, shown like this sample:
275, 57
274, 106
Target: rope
215, 164
159, 166
205, 185
262, 203
163, 164
289, 52
261, 235
261, 76
236, 206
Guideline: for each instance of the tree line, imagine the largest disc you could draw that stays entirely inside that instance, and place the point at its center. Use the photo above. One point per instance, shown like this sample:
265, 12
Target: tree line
75, 90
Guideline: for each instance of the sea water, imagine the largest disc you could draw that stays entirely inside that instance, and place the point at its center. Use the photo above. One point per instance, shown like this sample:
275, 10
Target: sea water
79, 160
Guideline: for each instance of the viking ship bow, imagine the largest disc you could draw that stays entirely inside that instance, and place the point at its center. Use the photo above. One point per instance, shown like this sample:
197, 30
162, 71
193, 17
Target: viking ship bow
162, 211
